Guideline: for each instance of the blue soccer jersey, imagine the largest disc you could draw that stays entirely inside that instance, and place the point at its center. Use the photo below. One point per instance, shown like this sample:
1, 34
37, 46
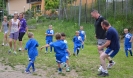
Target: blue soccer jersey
77, 41
127, 39
49, 37
113, 36
82, 34
31, 46
60, 50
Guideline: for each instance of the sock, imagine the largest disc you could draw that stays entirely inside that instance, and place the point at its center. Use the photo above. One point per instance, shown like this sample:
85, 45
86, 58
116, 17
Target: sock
82, 46
74, 50
110, 61
46, 49
60, 69
130, 52
29, 65
33, 67
77, 51
50, 49
126, 51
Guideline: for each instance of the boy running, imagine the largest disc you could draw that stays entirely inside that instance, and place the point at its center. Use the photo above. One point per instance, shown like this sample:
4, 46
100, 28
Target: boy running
60, 50
49, 37
77, 40
31, 46
83, 35
4, 28
63, 36
128, 42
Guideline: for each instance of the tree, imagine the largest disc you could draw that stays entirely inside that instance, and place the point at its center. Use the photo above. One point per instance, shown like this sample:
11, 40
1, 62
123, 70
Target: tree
54, 4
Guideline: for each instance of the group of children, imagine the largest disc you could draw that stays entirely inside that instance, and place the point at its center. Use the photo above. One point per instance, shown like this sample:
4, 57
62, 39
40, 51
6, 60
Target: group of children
60, 45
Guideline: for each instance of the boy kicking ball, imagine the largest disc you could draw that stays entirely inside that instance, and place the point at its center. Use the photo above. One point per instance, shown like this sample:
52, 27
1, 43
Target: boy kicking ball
31, 46
77, 40
128, 42
63, 36
60, 51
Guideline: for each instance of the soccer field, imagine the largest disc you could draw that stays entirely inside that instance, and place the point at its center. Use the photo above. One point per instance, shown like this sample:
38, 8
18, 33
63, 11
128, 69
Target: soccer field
83, 66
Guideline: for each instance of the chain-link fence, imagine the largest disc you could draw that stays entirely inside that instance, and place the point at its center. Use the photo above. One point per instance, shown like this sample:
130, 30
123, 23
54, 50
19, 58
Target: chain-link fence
79, 10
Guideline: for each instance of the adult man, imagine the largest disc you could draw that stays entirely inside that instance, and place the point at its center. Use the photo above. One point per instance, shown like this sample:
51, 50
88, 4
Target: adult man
100, 35
112, 44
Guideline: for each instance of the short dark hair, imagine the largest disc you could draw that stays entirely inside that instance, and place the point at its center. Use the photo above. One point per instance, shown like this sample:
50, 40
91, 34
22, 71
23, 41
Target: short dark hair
63, 34
58, 36
94, 11
106, 23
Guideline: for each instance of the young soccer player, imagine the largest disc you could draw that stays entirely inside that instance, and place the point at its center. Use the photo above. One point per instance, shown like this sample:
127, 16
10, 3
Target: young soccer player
77, 40
63, 36
49, 37
4, 28
83, 35
128, 42
59, 49
31, 46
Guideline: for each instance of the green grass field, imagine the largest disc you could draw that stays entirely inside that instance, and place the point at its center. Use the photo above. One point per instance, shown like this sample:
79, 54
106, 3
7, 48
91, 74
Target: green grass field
83, 66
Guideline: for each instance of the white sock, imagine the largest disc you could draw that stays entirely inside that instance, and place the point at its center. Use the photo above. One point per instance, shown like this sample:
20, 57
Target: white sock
105, 71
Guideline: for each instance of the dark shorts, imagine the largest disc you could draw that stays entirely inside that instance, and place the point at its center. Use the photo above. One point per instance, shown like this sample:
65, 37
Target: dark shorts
111, 52
21, 34
14, 35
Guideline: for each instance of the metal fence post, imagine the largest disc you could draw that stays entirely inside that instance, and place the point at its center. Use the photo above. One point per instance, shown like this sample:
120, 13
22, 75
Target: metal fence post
80, 12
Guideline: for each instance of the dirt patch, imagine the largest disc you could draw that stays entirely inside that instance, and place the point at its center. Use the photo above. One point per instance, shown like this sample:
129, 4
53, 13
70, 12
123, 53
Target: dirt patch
18, 72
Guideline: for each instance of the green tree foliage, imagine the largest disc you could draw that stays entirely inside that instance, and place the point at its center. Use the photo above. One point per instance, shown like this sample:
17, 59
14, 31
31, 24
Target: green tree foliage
54, 4
51, 4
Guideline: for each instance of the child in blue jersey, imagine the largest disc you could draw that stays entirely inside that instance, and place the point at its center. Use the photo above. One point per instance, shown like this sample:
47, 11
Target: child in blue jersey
128, 42
77, 40
49, 37
60, 51
63, 36
31, 46
83, 35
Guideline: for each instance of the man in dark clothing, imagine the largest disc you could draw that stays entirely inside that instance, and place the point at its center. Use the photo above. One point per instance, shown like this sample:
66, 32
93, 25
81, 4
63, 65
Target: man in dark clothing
100, 35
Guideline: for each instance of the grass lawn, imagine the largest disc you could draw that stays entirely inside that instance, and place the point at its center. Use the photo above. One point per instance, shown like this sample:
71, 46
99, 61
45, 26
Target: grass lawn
83, 66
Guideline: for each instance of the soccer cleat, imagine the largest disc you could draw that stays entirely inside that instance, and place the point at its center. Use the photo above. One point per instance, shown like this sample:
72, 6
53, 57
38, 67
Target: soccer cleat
2, 44
104, 74
15, 52
111, 64
20, 49
27, 72
100, 68
68, 69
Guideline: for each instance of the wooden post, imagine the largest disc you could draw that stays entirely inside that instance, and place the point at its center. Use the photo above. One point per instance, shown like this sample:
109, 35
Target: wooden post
42, 7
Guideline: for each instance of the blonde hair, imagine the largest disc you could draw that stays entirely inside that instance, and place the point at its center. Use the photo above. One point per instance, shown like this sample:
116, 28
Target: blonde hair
30, 34
77, 32
5, 17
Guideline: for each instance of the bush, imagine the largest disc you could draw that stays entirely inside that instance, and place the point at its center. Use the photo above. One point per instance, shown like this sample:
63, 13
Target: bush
31, 21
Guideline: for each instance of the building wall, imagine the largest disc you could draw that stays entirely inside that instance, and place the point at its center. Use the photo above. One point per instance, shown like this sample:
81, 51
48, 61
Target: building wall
83, 2
17, 5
